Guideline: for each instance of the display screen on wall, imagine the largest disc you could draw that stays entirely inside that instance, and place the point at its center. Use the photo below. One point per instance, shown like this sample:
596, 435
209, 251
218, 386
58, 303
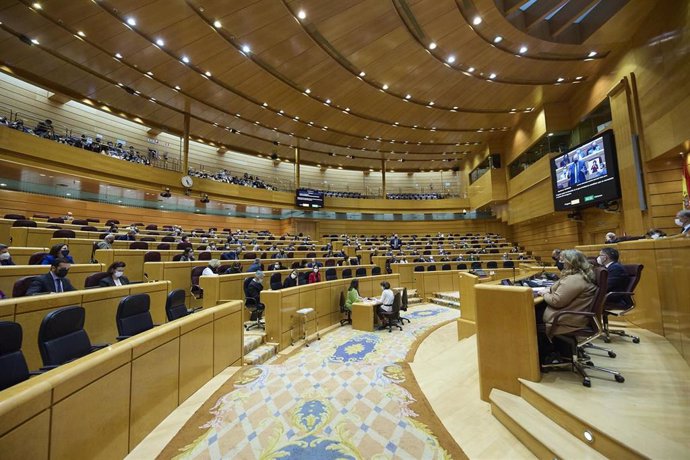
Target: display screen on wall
308, 198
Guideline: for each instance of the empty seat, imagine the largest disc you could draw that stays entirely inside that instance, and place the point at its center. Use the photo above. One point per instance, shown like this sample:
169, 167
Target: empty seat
88, 228
163, 246
476, 265
276, 281
80, 222
62, 338
13, 368
331, 274
133, 315
196, 290
375, 271
56, 220
205, 255
152, 256
361, 271
492, 264
168, 239
175, 306
147, 238
462, 267
15, 216
138, 245
152, 227
431, 268
508, 264
445, 267
419, 268
24, 223
347, 273
92, 281
64, 234
37, 257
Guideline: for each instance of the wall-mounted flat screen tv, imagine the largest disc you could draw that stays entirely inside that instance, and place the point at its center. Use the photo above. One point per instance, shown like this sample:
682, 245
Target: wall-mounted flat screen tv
308, 198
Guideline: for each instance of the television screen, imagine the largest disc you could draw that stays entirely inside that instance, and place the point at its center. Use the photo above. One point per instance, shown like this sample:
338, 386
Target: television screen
307, 198
586, 175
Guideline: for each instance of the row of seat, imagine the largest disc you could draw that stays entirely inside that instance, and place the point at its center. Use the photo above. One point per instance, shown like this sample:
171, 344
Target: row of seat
474, 266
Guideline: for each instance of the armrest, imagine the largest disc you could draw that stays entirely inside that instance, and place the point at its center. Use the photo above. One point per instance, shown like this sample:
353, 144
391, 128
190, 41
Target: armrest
98, 346
608, 294
44, 369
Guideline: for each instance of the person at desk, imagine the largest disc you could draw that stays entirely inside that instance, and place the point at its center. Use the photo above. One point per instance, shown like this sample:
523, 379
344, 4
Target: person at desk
57, 251
574, 291
254, 289
255, 266
130, 236
683, 221
187, 255
5, 256
212, 268
314, 276
385, 303
395, 242
556, 256
116, 275
53, 281
314, 263
352, 294
107, 242
618, 278
292, 280
236, 267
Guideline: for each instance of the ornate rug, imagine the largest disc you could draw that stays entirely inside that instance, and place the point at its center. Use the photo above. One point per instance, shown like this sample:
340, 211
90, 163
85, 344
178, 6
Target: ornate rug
350, 395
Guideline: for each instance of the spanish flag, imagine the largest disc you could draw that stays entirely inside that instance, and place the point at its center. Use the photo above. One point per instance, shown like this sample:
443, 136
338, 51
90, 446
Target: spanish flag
686, 182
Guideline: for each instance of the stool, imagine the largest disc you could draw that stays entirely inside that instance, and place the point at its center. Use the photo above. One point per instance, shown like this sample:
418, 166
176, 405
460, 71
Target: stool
303, 313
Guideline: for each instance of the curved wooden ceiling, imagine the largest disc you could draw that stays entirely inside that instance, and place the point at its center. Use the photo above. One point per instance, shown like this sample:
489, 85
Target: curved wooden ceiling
259, 78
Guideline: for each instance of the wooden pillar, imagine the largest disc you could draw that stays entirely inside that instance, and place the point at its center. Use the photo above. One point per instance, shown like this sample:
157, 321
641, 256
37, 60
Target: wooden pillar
296, 167
185, 144
383, 177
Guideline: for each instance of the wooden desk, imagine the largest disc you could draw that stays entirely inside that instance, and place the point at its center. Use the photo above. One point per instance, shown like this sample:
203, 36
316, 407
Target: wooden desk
363, 315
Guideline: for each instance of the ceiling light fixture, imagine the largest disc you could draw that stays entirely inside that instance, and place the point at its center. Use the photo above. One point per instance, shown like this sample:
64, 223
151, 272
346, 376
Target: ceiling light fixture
560, 79
477, 20
592, 54
492, 76
132, 22
217, 24
149, 73
451, 59
362, 74
523, 50
118, 55
432, 46
207, 73
385, 87
185, 59
579, 78
177, 87
81, 34
160, 42
34, 41
246, 49
37, 6
328, 101
408, 96
431, 102
470, 70
302, 14
498, 39
308, 91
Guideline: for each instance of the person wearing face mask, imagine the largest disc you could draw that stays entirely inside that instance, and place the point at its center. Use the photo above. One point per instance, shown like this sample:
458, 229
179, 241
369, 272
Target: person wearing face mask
683, 221
618, 278
556, 256
187, 255
385, 303
57, 251
212, 268
655, 234
276, 266
5, 257
292, 280
53, 281
314, 276
574, 291
115, 277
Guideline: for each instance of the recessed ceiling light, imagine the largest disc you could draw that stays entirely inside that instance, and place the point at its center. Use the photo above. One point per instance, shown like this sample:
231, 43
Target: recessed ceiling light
328, 101
408, 96
579, 78
265, 104
451, 59
477, 20
217, 24
246, 49
132, 22
149, 73
81, 34
307, 91
432, 46
301, 14
185, 59
207, 73
385, 87
560, 79
431, 102
362, 73
34, 41
177, 87
118, 55
550, 134
592, 54
498, 39
470, 70
4, 184
347, 109
37, 6
160, 42
523, 49
492, 76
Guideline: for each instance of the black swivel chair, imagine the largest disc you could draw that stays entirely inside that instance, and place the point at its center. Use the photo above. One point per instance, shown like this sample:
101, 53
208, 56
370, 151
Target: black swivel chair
13, 367
634, 272
331, 274
133, 316
152, 256
347, 273
348, 313
21, 286
445, 267
403, 305
508, 264
196, 290
392, 318
492, 264
361, 271
276, 281
92, 281
62, 338
431, 268
175, 305
476, 265
251, 304
419, 268
376, 271
462, 267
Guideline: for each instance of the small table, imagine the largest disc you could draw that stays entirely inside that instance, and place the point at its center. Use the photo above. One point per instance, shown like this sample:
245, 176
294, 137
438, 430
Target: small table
363, 315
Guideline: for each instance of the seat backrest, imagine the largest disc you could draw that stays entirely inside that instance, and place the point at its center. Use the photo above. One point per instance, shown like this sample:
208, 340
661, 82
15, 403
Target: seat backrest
152, 227
303, 278
295, 265
245, 285
92, 281
163, 246
64, 234
93, 219
37, 257
15, 216
508, 264
397, 303
342, 300
110, 222
61, 336
347, 273
431, 268
177, 257
175, 306
181, 246
168, 239
601, 277
361, 271
276, 281
310, 255
249, 255
147, 238
13, 368
476, 265
196, 273
89, 228
462, 267
331, 274
419, 268
404, 300
205, 256
21, 286
445, 267
138, 245
376, 271
134, 315
56, 220
152, 256
634, 272
330, 263
24, 223
492, 264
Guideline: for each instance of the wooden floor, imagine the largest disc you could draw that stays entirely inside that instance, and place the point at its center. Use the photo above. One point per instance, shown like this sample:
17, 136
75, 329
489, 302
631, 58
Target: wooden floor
649, 412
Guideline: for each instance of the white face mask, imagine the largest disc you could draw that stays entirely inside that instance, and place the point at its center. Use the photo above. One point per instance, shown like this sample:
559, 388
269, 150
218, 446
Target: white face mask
293, 275
5, 256
600, 260
678, 222
118, 274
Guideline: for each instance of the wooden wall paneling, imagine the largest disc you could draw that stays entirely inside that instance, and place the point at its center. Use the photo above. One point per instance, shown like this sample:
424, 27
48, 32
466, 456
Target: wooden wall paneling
663, 177
196, 353
665, 269
21, 256
467, 323
543, 235
228, 348
534, 202
681, 271
535, 174
14, 443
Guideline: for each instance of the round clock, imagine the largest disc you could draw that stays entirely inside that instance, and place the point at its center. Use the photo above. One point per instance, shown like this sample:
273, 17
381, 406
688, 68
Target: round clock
187, 181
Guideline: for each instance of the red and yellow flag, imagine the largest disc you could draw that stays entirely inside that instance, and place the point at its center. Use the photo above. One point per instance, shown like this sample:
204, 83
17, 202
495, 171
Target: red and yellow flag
686, 182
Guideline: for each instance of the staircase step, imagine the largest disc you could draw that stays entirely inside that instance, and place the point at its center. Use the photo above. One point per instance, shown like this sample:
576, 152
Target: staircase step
252, 341
444, 302
536, 431
260, 354
413, 300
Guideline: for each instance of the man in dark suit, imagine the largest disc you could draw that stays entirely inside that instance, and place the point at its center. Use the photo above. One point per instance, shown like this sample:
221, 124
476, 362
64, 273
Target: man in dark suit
395, 242
53, 281
683, 221
618, 277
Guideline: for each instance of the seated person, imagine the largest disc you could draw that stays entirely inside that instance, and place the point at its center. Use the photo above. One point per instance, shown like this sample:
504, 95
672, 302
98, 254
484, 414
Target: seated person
314, 276
53, 281
610, 238
5, 256
57, 251
130, 236
574, 291
255, 266
618, 279
292, 280
187, 255
254, 289
229, 255
236, 267
655, 234
276, 266
385, 303
314, 263
115, 277
107, 242
212, 268
352, 294
556, 256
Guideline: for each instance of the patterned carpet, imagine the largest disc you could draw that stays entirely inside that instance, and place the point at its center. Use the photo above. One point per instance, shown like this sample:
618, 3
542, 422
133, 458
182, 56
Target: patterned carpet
348, 396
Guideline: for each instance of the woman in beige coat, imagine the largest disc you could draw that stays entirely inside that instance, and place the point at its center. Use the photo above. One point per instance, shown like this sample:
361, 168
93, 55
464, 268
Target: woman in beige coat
574, 291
